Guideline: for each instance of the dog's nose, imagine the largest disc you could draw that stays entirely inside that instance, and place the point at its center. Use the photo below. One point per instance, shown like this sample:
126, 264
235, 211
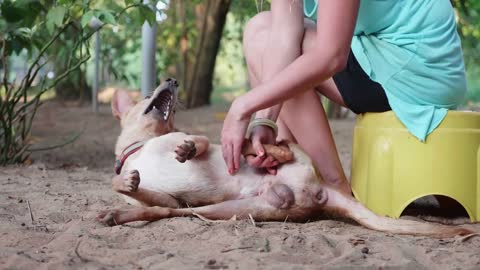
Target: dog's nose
171, 80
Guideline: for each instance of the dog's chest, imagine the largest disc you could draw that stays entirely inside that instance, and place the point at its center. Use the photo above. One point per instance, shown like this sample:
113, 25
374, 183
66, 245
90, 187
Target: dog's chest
202, 179
163, 172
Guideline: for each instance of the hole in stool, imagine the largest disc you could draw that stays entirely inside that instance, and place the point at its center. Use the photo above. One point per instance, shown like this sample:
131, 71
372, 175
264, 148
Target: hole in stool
437, 206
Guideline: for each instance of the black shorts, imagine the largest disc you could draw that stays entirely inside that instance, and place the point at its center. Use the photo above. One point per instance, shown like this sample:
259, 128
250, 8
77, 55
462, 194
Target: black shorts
358, 91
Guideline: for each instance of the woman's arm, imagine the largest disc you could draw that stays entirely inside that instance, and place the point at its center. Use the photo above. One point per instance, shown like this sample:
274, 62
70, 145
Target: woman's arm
335, 25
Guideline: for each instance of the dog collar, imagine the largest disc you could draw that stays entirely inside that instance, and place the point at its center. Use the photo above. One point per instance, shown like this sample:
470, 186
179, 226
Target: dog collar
131, 149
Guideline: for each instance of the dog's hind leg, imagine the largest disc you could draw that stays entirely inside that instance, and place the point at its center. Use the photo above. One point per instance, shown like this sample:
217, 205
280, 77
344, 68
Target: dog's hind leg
275, 204
128, 184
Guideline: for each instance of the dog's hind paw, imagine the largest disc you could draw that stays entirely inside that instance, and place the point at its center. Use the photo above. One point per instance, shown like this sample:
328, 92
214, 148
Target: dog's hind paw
126, 183
131, 181
108, 217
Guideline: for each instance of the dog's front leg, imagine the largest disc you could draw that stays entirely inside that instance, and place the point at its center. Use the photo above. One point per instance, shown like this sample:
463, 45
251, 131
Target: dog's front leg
193, 146
128, 184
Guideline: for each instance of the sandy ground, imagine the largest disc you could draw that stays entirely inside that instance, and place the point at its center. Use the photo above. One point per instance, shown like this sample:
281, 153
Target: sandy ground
65, 188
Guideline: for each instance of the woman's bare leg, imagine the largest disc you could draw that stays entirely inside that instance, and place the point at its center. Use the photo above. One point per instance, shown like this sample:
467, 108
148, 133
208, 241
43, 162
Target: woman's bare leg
314, 136
313, 131
281, 31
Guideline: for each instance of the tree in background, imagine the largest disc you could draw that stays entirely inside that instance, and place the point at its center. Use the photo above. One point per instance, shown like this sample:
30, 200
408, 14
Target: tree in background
468, 14
191, 39
188, 41
42, 32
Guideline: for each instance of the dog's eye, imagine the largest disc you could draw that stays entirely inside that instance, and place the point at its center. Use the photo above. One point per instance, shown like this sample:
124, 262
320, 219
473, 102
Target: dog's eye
147, 97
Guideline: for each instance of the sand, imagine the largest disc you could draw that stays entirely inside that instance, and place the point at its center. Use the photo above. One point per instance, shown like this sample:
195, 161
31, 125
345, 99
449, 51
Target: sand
48, 209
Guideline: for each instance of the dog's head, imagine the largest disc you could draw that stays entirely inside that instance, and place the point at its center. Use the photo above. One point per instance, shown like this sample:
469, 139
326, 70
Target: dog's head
151, 117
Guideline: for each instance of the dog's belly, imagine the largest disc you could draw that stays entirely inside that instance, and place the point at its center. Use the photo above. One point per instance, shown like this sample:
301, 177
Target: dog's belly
203, 180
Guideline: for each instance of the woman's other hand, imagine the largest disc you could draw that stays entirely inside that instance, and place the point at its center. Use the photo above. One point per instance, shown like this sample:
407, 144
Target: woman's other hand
233, 134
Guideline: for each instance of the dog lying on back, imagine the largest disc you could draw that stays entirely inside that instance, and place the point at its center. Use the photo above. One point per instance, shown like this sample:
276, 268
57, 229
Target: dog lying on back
170, 174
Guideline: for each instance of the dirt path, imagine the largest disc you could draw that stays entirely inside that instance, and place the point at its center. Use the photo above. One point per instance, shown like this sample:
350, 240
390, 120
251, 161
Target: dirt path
65, 188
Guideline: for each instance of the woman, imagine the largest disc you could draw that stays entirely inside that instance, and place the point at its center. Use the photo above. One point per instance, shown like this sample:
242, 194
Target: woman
368, 56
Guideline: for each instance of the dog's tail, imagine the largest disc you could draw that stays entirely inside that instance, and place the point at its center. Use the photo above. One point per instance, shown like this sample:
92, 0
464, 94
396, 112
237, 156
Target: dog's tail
346, 206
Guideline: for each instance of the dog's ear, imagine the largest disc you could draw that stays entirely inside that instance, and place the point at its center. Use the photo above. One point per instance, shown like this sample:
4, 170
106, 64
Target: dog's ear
121, 102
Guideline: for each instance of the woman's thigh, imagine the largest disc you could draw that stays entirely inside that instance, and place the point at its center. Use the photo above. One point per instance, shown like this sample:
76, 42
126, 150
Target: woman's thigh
351, 88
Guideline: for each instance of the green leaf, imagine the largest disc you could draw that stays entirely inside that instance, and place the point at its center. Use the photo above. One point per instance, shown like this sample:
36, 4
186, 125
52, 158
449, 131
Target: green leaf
3, 26
107, 17
30, 11
147, 14
11, 12
19, 39
64, 2
86, 18
58, 13
55, 17
23, 32
129, 2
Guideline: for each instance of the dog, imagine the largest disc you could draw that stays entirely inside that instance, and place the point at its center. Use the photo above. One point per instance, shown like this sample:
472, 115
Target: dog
169, 174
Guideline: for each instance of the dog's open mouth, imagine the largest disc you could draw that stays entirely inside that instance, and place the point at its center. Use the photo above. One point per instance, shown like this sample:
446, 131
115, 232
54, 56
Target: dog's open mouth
163, 101
161, 105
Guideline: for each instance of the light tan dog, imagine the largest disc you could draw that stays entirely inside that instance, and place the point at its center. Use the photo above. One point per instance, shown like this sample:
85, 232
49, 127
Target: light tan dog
153, 174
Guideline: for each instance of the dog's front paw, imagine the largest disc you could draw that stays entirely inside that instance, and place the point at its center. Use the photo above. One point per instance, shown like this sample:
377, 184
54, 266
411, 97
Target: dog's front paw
185, 151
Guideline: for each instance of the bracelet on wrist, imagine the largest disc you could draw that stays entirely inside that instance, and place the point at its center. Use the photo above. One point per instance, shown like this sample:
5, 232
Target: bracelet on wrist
262, 122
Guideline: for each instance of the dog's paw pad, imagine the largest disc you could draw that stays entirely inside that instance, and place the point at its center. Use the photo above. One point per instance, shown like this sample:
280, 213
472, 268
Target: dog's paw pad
185, 151
131, 181
108, 217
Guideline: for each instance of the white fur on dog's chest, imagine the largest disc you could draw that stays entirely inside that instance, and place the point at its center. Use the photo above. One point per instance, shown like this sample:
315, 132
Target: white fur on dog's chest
162, 172
203, 178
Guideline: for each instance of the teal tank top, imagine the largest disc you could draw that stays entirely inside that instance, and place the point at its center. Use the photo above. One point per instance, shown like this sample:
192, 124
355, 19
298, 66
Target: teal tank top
412, 48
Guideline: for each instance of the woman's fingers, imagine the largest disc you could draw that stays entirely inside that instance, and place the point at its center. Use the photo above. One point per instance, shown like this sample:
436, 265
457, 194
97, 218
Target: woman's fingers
269, 162
255, 161
272, 171
258, 146
233, 133
228, 156
237, 151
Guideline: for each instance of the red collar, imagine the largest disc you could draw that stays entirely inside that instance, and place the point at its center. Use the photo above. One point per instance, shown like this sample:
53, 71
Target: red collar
130, 150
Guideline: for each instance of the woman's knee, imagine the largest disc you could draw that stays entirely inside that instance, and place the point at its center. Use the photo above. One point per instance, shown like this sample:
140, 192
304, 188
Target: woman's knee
255, 37
258, 23
284, 34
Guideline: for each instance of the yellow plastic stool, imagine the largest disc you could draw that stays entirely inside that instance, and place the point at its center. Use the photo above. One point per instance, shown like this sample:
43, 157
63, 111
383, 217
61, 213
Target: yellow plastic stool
391, 168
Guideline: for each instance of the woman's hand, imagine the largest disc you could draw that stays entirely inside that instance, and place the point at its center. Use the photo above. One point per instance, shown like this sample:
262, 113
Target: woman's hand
262, 135
233, 134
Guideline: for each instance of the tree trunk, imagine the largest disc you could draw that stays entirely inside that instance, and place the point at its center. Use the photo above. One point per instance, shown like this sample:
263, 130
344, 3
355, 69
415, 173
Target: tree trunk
211, 27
